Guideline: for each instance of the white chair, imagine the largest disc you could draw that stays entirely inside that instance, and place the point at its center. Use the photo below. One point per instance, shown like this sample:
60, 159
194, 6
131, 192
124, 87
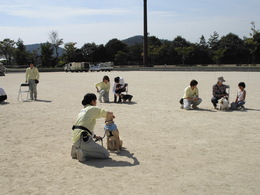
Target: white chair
24, 89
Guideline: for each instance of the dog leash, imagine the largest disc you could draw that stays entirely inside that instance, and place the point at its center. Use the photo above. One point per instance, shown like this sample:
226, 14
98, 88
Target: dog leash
101, 139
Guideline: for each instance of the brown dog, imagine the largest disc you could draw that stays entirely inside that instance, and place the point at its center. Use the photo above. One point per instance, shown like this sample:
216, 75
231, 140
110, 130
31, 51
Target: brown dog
112, 133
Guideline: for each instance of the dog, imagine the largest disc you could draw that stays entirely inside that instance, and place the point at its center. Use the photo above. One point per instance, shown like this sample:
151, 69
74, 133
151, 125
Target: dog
126, 97
112, 133
223, 103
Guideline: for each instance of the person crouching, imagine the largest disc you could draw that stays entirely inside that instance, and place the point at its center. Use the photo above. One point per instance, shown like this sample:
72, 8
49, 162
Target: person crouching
191, 96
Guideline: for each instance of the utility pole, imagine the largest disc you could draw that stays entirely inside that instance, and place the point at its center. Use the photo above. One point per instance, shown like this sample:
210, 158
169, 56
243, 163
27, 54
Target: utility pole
145, 46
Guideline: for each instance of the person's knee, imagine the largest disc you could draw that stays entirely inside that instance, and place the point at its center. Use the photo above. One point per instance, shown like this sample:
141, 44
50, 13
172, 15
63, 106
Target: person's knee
199, 101
106, 155
186, 105
214, 100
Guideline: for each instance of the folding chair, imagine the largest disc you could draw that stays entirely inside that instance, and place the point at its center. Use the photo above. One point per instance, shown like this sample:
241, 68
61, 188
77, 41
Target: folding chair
24, 89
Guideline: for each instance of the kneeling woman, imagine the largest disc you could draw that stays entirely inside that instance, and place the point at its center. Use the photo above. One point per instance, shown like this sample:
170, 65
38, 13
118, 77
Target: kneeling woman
83, 130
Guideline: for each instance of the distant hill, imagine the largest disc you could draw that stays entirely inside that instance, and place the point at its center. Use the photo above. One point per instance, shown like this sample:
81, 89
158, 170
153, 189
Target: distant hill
129, 41
37, 47
133, 40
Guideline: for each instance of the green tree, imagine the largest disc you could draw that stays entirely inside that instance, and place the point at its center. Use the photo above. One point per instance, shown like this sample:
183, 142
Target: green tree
203, 42
113, 46
121, 58
234, 48
100, 54
184, 52
70, 53
56, 42
21, 55
180, 42
88, 50
214, 41
201, 52
253, 43
47, 55
218, 55
135, 54
7, 49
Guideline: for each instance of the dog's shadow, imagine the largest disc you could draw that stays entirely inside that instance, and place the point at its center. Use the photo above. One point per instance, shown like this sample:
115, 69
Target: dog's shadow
101, 163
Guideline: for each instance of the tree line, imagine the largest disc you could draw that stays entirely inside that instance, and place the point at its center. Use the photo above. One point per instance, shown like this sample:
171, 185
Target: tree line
228, 49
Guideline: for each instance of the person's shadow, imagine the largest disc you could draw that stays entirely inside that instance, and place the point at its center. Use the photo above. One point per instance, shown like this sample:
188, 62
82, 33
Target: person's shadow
101, 163
45, 101
247, 109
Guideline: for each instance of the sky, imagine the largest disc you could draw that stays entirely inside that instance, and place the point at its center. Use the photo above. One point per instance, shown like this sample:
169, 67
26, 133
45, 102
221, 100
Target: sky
98, 21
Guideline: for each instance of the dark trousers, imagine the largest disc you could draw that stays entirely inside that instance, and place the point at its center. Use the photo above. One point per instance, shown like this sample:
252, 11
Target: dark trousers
3, 98
118, 92
214, 101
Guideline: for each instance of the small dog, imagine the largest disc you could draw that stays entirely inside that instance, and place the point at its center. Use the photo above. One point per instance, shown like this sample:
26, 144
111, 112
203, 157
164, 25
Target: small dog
223, 103
126, 97
112, 133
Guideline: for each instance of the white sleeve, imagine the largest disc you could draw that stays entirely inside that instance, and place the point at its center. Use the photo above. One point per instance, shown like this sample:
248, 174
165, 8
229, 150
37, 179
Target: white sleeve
114, 88
122, 82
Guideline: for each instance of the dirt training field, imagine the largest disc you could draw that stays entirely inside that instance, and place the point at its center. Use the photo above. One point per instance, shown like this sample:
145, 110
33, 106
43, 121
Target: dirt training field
167, 150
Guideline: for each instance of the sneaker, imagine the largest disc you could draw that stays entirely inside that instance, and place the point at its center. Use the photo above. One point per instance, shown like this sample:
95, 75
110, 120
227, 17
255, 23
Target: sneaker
80, 155
241, 108
195, 107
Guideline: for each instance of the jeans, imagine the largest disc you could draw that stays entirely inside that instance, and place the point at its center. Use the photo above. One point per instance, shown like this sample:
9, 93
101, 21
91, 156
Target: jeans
188, 103
33, 88
240, 103
214, 101
105, 96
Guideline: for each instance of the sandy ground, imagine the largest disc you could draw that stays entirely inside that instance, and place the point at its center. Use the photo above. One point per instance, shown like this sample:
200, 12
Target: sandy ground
167, 150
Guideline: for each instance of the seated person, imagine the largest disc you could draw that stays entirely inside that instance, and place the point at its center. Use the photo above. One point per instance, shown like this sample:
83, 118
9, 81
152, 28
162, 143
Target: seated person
118, 88
241, 97
126, 97
191, 96
3, 95
219, 91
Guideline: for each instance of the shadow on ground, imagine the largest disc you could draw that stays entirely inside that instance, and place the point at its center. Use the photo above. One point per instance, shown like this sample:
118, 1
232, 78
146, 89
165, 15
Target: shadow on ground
100, 163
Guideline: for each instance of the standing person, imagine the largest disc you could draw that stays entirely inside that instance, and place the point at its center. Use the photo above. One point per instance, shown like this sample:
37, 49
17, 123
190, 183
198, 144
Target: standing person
32, 77
103, 89
3, 95
219, 91
83, 130
191, 96
241, 97
118, 88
